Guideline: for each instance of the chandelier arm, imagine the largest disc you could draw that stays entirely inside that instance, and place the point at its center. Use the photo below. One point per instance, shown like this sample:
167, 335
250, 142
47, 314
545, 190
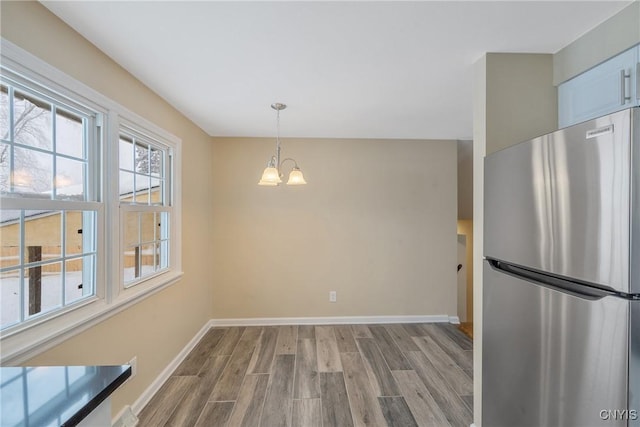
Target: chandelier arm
288, 158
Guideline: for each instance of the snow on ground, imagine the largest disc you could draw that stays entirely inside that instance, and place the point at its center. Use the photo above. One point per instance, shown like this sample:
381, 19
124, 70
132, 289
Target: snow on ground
51, 292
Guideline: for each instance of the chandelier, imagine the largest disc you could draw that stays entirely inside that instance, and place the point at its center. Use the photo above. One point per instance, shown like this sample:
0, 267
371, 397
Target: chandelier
273, 174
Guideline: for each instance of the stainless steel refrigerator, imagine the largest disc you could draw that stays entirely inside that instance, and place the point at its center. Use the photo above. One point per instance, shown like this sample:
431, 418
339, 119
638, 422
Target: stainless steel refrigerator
561, 301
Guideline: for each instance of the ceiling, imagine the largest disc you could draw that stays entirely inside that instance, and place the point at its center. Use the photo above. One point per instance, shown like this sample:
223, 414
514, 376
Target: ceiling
346, 69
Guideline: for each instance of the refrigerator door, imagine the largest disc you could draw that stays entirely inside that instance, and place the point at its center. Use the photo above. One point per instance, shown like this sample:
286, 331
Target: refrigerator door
551, 359
634, 364
561, 203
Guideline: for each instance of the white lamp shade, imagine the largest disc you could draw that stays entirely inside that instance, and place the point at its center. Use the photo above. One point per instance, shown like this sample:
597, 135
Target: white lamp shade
296, 177
270, 176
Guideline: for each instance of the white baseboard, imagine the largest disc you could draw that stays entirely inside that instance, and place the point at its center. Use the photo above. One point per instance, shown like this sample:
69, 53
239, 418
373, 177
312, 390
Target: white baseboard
127, 416
270, 321
124, 417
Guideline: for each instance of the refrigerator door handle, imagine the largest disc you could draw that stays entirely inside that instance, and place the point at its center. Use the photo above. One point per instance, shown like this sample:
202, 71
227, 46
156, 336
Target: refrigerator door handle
579, 290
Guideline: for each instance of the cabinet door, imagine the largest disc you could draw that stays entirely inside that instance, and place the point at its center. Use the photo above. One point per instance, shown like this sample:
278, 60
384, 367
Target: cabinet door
606, 88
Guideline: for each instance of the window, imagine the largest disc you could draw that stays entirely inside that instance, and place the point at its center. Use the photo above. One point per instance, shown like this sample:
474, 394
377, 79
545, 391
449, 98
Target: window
145, 172
48, 215
89, 206
48, 261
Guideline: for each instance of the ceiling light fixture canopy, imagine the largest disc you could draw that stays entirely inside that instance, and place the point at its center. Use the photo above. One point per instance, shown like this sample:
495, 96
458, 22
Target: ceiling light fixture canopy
272, 174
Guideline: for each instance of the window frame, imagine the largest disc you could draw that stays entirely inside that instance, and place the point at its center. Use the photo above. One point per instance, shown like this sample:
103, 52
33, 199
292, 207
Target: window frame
173, 204
23, 341
93, 141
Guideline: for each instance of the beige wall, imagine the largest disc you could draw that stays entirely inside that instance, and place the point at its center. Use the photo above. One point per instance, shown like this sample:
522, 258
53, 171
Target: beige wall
521, 100
376, 223
465, 228
613, 36
156, 329
479, 150
465, 180
514, 100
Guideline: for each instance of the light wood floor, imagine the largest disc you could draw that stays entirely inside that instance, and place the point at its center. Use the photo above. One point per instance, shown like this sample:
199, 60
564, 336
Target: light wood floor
466, 328
330, 376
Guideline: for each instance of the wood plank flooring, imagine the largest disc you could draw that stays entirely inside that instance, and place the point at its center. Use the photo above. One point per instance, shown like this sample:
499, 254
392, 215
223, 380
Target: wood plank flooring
321, 376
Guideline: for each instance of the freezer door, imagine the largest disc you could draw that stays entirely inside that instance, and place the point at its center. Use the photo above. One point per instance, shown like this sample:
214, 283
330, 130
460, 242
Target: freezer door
561, 203
551, 359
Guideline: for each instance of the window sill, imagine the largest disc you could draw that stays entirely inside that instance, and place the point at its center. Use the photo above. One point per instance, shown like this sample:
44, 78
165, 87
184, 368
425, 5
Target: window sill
22, 345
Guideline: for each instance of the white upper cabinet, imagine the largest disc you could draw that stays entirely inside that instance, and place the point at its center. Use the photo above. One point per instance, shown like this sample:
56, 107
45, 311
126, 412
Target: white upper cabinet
608, 87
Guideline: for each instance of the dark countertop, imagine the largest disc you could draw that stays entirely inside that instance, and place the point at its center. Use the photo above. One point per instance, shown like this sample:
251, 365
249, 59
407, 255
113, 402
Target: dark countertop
55, 395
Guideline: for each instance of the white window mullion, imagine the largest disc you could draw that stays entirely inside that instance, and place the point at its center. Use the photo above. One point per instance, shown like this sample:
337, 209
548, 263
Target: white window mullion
89, 220
99, 243
112, 220
11, 114
175, 230
139, 246
46, 204
89, 138
168, 184
63, 252
23, 300
12, 164
54, 166
95, 268
144, 208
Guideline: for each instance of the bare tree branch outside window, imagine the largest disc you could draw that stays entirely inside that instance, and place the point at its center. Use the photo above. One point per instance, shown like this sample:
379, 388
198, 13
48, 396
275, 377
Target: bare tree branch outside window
31, 127
148, 161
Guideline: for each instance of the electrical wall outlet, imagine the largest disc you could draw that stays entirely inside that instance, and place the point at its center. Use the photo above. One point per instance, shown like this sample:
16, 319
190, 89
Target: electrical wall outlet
333, 296
134, 366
